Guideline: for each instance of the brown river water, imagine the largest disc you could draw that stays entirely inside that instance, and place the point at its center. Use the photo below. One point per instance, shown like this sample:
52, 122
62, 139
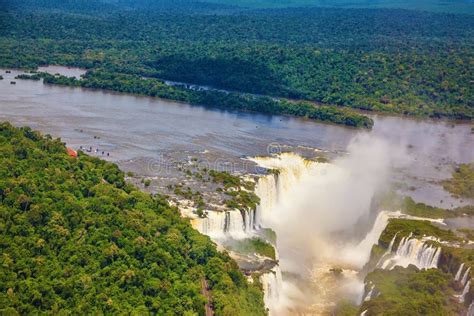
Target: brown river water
129, 127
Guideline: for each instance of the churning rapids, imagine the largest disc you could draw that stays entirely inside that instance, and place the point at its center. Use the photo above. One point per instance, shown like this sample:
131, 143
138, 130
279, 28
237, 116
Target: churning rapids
323, 213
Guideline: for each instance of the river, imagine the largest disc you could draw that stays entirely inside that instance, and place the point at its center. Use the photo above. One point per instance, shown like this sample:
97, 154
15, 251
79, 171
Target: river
130, 126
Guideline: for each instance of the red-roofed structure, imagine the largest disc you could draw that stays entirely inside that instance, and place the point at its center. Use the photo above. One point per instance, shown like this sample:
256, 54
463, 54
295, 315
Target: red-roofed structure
71, 152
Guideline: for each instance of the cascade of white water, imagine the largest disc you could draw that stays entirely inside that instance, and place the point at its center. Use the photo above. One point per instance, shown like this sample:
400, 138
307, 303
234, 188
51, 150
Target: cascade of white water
369, 294
212, 225
249, 220
390, 246
465, 276
301, 188
274, 190
462, 298
305, 202
272, 283
416, 252
222, 224
388, 252
470, 311
235, 224
362, 250
266, 190
273, 187
458, 274
359, 254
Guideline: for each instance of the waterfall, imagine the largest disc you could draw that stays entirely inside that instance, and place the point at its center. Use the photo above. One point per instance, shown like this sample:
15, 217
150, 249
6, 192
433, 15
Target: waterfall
274, 190
266, 190
306, 196
416, 252
249, 220
390, 246
458, 274
360, 254
274, 187
462, 298
388, 252
470, 311
369, 294
306, 203
212, 225
221, 224
466, 282
272, 284
234, 224
465, 276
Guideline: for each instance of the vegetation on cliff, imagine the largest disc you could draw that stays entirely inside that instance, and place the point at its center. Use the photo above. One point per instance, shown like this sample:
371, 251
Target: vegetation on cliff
76, 238
407, 291
250, 246
404, 227
462, 182
410, 291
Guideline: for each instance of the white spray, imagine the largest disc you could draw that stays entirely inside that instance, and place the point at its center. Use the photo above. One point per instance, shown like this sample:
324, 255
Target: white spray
416, 252
458, 274
224, 224
465, 276
308, 202
272, 285
465, 291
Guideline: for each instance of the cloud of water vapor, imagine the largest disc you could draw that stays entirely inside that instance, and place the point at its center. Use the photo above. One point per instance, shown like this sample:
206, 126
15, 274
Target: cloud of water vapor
316, 200
319, 199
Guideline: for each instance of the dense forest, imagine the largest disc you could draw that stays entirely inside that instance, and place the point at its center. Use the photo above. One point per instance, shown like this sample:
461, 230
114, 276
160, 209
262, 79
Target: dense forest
218, 99
77, 238
452, 6
396, 61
